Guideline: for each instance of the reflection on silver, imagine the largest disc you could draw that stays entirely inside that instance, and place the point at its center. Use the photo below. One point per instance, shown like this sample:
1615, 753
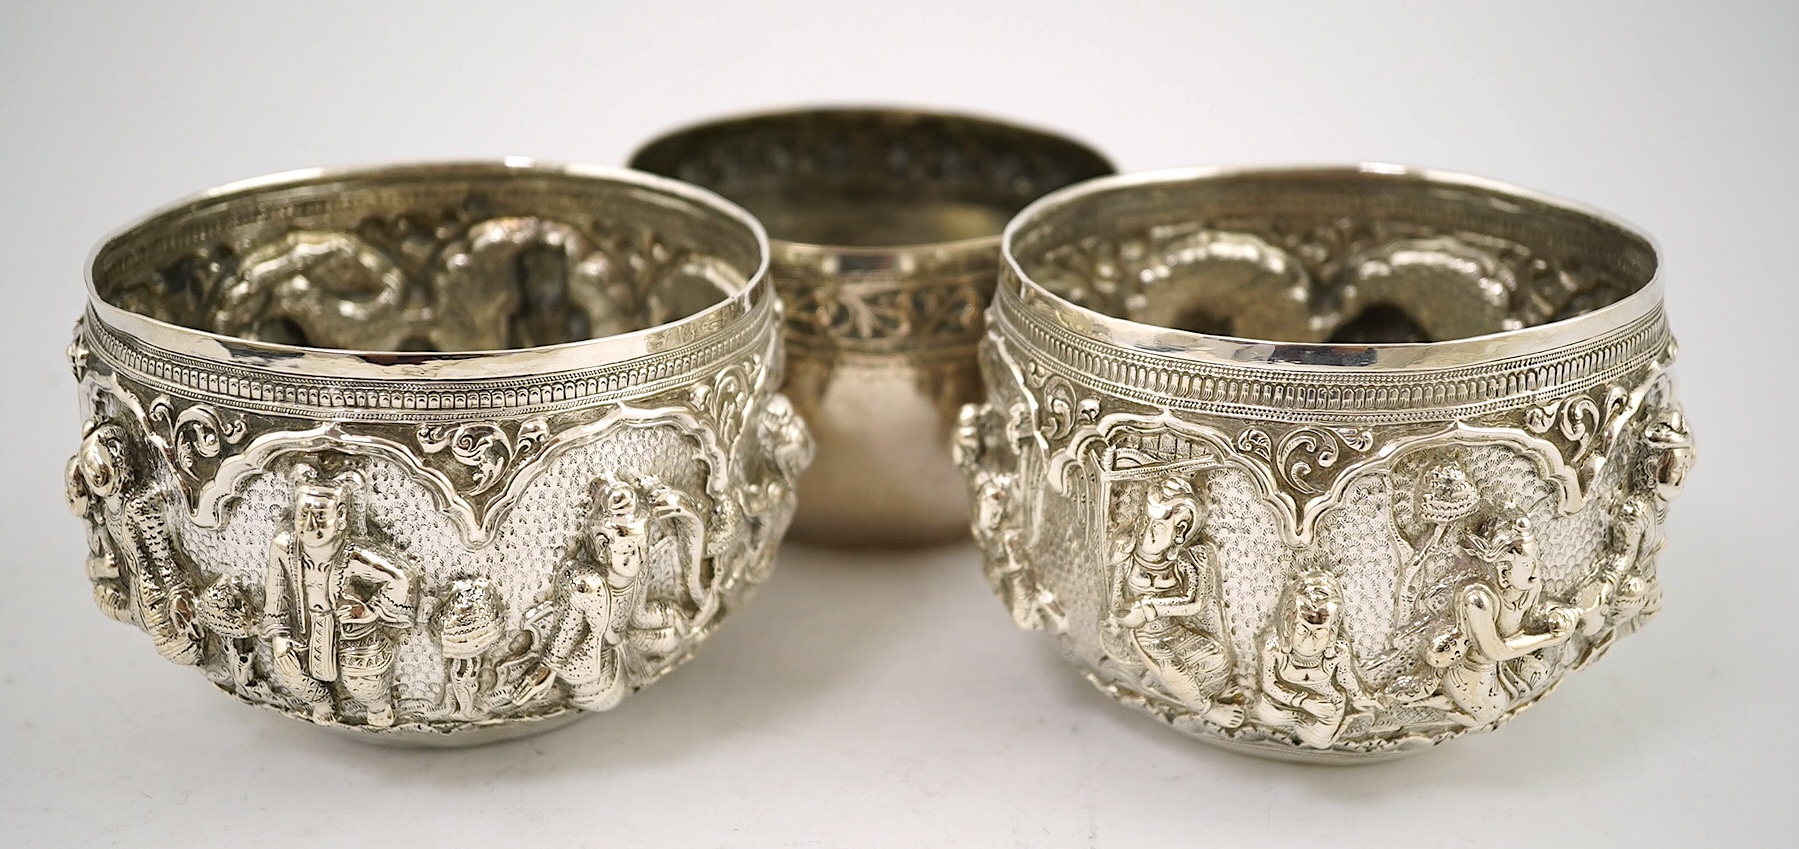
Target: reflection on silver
885, 229
1436, 488
396, 532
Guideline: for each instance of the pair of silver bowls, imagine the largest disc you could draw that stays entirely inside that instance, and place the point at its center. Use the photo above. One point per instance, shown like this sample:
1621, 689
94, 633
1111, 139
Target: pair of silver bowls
450, 453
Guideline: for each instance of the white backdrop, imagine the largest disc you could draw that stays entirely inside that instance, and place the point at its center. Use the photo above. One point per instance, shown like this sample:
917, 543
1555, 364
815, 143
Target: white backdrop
884, 700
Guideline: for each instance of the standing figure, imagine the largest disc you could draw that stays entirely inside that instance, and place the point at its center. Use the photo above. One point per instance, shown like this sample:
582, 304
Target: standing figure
131, 553
470, 620
673, 606
998, 534
335, 606
1671, 454
1167, 606
1309, 679
785, 448
1492, 656
786, 439
1623, 591
968, 444
603, 589
110, 590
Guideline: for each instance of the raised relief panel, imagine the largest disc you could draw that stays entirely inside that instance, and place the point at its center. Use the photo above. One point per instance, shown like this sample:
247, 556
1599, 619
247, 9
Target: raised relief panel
1317, 567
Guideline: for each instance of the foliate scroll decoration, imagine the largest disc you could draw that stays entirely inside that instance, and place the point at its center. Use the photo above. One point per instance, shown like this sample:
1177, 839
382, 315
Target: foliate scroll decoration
725, 400
483, 451
434, 577
198, 435
1304, 455
1320, 588
474, 471
902, 313
1585, 426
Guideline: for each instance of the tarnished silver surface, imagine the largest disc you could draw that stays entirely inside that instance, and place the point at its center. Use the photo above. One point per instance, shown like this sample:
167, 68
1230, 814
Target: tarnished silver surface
1435, 489
434, 454
885, 243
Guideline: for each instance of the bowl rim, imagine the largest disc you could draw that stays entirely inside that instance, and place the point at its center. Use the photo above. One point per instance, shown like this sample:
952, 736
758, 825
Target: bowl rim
315, 361
795, 247
1018, 286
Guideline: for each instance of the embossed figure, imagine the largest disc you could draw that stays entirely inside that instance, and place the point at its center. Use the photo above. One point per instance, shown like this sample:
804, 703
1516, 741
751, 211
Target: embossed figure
1166, 604
997, 532
225, 611
1623, 591
470, 619
585, 649
1309, 678
1670, 453
660, 625
334, 605
110, 591
131, 551
767, 500
789, 447
968, 445
1492, 656
602, 592
998, 526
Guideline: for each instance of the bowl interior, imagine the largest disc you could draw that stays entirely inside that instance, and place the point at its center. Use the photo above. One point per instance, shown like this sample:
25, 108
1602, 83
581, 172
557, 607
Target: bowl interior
439, 258
1350, 256
873, 178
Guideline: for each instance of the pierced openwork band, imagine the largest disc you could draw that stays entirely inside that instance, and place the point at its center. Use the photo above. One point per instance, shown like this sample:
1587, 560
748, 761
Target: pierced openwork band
436, 453
1437, 486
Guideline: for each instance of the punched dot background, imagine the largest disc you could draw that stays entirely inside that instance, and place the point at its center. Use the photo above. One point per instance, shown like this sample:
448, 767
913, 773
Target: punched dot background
1365, 538
529, 543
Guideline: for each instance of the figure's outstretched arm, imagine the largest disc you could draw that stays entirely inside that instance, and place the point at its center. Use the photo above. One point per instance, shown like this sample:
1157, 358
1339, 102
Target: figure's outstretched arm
1478, 608
1183, 608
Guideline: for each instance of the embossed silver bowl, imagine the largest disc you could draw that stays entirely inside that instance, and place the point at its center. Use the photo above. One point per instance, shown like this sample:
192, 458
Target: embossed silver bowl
434, 453
1324, 463
885, 246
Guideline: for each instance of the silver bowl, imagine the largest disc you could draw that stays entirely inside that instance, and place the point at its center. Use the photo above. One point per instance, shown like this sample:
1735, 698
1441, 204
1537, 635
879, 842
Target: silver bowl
433, 453
1325, 463
884, 230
